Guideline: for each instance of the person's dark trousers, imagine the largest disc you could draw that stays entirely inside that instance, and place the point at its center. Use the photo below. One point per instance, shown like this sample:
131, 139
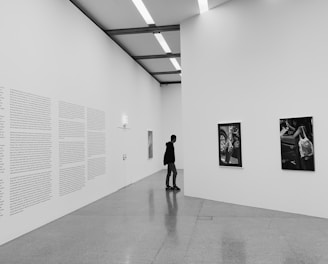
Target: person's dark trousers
171, 168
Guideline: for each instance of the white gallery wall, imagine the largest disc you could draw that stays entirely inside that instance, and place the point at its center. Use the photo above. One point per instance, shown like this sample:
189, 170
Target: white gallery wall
64, 86
255, 62
172, 120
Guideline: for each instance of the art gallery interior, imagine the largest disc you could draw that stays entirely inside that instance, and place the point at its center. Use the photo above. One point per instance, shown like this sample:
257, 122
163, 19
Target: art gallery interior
89, 96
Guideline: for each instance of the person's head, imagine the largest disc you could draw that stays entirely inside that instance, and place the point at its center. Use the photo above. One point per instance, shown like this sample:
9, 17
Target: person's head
173, 138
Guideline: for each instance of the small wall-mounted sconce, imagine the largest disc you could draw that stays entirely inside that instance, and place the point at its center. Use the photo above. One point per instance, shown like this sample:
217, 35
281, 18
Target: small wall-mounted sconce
125, 121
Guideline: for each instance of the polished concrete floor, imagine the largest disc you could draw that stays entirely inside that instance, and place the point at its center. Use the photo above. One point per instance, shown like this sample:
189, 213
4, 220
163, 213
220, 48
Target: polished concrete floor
143, 224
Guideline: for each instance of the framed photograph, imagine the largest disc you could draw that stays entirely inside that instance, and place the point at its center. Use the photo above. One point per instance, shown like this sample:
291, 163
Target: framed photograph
150, 144
296, 143
229, 135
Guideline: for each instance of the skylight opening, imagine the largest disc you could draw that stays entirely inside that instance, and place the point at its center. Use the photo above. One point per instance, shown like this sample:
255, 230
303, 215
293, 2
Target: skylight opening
143, 11
203, 6
161, 40
175, 64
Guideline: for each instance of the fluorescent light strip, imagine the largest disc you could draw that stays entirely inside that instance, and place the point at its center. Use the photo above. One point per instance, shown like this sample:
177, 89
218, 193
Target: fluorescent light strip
175, 64
149, 20
143, 11
162, 42
203, 6
167, 49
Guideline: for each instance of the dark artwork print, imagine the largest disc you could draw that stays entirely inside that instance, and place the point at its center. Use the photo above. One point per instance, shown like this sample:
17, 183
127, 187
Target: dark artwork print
150, 144
229, 144
296, 140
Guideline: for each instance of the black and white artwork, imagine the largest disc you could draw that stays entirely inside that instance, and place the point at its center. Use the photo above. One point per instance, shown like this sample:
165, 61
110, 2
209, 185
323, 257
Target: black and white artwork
150, 144
230, 144
296, 141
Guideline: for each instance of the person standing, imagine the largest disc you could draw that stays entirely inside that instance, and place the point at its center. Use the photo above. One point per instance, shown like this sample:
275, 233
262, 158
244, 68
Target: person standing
169, 159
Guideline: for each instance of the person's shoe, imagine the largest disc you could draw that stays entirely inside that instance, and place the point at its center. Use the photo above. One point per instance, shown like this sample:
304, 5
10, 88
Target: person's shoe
168, 188
176, 188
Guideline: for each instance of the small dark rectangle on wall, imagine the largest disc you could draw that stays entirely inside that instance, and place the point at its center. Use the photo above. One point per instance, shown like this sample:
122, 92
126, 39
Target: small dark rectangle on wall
229, 135
150, 144
296, 142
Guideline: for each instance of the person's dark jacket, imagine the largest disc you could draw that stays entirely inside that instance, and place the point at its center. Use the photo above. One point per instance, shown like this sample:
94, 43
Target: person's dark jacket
169, 156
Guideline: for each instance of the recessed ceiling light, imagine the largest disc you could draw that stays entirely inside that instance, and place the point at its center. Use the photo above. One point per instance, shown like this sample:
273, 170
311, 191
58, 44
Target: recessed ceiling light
143, 11
162, 42
203, 6
175, 64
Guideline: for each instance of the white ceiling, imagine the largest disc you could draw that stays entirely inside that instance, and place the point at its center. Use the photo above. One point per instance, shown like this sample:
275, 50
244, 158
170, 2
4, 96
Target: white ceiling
113, 14
121, 14
158, 65
140, 44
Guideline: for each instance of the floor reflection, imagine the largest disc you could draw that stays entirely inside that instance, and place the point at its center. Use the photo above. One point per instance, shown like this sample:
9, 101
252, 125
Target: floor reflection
151, 206
171, 214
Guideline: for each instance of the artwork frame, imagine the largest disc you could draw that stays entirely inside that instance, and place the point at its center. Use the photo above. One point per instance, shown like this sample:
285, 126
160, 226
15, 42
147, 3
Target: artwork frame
230, 147
150, 144
297, 143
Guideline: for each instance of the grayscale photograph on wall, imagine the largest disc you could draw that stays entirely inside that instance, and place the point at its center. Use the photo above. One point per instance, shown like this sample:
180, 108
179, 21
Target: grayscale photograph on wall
296, 140
230, 144
150, 144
